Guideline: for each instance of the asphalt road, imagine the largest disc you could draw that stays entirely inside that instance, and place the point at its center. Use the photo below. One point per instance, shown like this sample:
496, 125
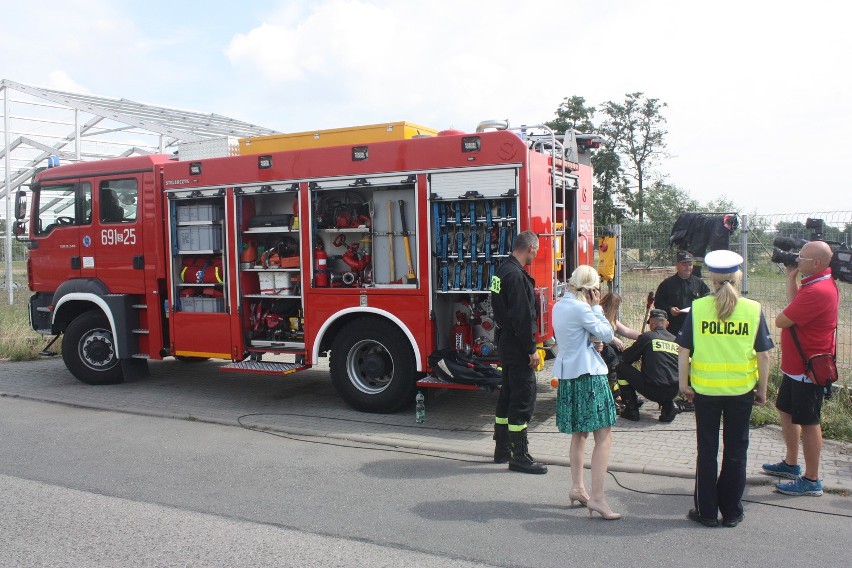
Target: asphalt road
83, 487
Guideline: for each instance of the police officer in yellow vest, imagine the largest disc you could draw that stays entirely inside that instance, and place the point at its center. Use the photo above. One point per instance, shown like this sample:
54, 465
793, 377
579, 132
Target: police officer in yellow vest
723, 355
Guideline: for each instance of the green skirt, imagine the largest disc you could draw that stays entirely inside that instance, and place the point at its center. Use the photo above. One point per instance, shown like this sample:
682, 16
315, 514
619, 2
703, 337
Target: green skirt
584, 404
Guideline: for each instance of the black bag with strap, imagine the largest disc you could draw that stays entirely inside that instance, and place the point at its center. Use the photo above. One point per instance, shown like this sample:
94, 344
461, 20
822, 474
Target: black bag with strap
821, 368
455, 367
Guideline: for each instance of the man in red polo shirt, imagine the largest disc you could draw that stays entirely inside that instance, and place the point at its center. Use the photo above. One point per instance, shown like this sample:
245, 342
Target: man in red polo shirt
812, 308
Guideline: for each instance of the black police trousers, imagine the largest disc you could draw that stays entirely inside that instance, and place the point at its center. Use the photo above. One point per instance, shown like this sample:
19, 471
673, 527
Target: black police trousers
716, 490
640, 383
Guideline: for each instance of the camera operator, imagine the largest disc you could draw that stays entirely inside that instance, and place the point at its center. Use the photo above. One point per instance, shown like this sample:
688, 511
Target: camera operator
812, 309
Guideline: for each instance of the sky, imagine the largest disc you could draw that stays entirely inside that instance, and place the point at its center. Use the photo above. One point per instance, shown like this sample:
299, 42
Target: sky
758, 94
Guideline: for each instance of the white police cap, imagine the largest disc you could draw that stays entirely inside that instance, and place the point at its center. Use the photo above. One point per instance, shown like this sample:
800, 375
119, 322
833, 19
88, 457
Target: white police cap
723, 261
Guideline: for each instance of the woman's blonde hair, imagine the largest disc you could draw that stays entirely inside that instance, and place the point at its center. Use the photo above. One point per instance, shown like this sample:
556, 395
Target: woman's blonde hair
727, 293
582, 281
610, 302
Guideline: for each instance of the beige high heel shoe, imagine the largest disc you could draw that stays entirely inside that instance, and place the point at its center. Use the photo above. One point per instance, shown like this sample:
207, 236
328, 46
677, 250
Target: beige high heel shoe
603, 510
582, 498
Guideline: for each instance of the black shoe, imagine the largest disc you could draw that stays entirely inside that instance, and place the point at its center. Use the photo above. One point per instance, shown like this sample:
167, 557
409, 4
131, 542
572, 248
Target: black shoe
631, 404
669, 411
527, 465
731, 523
694, 516
521, 459
630, 413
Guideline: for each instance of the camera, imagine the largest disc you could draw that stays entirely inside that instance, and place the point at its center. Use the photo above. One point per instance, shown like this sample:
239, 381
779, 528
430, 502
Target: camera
781, 251
841, 259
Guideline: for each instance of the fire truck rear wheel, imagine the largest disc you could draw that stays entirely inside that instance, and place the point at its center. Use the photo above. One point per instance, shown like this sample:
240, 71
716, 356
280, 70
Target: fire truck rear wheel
88, 350
373, 366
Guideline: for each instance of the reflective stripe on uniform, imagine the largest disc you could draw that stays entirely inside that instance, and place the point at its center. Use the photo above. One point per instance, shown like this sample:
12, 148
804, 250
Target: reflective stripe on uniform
663, 345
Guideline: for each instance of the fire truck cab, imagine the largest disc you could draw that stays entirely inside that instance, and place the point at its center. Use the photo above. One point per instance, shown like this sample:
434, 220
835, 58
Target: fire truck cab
373, 253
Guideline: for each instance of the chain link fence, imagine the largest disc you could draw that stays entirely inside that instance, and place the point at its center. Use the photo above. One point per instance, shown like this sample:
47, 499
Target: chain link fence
19, 250
646, 257
19, 261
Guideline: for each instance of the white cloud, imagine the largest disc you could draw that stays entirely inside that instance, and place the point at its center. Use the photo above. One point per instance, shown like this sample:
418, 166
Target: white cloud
757, 91
60, 81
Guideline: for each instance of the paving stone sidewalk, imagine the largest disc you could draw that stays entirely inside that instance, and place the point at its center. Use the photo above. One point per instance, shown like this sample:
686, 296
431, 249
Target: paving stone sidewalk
457, 421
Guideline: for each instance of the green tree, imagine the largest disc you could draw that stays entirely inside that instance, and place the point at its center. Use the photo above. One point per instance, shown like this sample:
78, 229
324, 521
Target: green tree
792, 229
832, 233
573, 114
720, 205
634, 130
665, 203
609, 187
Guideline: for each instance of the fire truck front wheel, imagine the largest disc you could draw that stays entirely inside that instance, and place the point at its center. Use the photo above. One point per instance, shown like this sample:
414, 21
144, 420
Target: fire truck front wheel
373, 366
88, 350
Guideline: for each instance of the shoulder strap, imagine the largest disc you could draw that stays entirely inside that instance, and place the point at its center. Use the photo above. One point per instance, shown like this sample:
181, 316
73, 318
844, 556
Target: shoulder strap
799, 345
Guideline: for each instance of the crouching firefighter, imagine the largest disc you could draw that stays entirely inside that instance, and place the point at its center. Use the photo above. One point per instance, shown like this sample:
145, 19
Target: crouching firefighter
658, 378
516, 314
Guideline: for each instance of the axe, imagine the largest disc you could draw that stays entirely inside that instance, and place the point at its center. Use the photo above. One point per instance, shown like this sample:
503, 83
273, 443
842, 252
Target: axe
648, 303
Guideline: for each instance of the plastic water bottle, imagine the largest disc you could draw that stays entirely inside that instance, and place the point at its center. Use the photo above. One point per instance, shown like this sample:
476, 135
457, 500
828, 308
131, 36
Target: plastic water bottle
420, 408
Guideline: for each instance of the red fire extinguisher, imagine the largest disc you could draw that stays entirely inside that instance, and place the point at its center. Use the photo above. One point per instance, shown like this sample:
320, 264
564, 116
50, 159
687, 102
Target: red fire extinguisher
321, 279
462, 333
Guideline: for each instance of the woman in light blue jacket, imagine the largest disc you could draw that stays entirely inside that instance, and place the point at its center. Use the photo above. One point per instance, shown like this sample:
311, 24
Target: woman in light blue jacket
584, 400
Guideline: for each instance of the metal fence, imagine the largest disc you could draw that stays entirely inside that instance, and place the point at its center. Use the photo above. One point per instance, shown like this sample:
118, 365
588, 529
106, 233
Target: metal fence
646, 257
19, 258
19, 250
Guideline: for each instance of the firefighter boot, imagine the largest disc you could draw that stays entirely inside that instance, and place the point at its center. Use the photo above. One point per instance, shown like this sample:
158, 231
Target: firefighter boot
502, 449
669, 411
631, 403
521, 460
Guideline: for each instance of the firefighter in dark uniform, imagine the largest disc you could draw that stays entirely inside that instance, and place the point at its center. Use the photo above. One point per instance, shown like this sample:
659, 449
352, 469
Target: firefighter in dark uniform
676, 293
658, 379
516, 314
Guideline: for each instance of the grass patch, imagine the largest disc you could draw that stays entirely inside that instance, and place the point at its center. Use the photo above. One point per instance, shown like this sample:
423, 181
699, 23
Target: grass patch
18, 342
19, 349
836, 411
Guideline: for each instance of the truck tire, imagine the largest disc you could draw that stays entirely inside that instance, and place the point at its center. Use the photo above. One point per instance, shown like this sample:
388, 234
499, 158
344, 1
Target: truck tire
373, 367
88, 350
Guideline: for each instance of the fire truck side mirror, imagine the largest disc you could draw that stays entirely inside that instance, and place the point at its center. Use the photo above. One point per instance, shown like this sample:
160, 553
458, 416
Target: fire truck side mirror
19, 230
20, 204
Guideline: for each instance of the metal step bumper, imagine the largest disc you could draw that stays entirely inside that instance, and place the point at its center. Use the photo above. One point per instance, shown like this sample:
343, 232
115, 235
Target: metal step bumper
268, 367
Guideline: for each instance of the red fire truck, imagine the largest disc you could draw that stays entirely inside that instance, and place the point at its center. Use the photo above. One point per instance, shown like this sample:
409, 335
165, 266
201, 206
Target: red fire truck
374, 254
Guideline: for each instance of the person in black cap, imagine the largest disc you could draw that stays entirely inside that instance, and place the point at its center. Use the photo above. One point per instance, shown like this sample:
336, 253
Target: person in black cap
676, 293
658, 379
